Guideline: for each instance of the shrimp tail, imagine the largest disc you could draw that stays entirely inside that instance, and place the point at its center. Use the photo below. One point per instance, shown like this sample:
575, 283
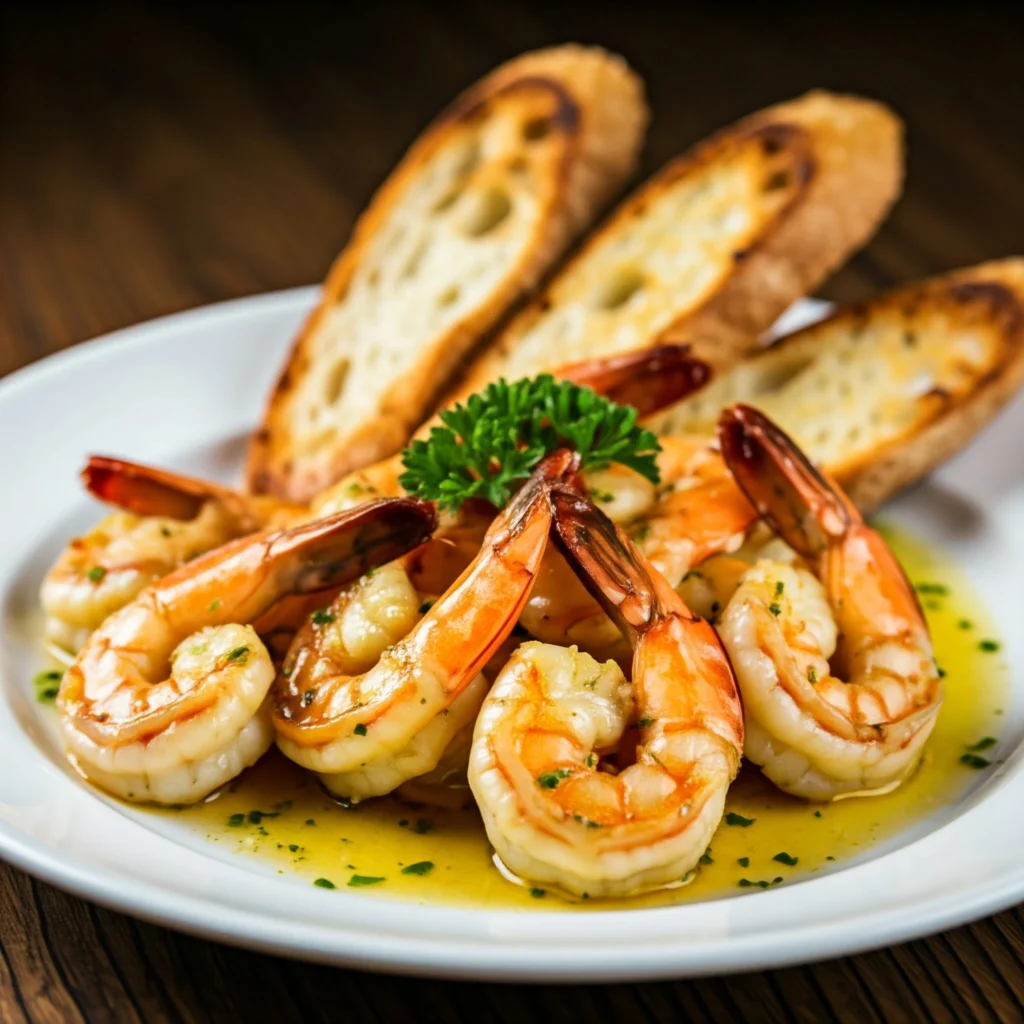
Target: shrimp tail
333, 551
608, 564
149, 491
795, 498
648, 379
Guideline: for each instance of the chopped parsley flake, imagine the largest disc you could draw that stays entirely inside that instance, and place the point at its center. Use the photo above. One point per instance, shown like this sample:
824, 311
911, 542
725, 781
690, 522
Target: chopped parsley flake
785, 858
989, 646
214, 604
744, 862
307, 698
96, 574
294, 847
645, 722
422, 867
422, 826
321, 617
706, 857
550, 780
817, 814
737, 819
938, 589
775, 609
591, 760
326, 883
426, 606
236, 820
983, 744
47, 686
965, 624
238, 655
360, 729
538, 893
973, 761
311, 821
357, 880
779, 588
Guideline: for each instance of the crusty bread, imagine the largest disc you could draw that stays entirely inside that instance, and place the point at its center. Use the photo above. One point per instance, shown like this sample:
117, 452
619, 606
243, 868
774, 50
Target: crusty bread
479, 208
881, 393
715, 246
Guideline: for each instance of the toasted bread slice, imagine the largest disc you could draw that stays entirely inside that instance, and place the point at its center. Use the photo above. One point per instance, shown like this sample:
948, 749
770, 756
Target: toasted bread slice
715, 246
881, 393
479, 208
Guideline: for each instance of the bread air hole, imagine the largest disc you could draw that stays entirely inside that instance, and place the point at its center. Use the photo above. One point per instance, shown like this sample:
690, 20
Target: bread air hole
618, 289
335, 380
412, 264
468, 158
449, 295
488, 209
774, 378
775, 181
446, 201
536, 129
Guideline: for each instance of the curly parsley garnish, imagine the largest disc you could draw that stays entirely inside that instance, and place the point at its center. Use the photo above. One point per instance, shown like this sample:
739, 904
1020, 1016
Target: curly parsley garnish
492, 443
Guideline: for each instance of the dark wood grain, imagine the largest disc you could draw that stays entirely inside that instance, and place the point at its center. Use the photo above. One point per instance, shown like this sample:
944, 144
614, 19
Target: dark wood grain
154, 158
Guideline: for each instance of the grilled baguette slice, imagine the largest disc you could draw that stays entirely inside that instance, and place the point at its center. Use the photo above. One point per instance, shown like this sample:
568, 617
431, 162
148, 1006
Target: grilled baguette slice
715, 246
883, 392
479, 208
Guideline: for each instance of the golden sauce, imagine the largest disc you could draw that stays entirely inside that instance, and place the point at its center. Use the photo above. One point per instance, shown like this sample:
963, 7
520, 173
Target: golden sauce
277, 815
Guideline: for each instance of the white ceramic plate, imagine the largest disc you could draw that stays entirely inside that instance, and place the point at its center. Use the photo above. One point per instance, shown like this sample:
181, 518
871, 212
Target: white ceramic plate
183, 392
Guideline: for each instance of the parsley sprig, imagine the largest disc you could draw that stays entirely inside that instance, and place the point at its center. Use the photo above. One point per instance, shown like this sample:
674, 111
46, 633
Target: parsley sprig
492, 443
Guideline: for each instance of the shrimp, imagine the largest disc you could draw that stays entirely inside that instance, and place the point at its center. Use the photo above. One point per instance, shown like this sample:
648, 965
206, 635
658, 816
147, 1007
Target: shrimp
556, 809
697, 511
831, 648
371, 695
164, 521
166, 700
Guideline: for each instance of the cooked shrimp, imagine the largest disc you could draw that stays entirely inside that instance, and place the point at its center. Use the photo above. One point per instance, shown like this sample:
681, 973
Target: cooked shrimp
538, 768
106, 568
695, 512
166, 700
167, 519
366, 730
832, 653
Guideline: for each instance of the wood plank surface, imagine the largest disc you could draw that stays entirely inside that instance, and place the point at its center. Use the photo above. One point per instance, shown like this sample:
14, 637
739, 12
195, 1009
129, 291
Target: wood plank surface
155, 158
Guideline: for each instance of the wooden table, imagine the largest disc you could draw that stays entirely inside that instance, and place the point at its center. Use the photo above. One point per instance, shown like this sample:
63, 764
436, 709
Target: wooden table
152, 162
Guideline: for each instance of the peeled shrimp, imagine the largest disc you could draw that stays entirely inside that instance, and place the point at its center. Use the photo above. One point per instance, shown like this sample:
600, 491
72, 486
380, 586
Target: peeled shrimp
831, 649
559, 808
165, 520
166, 700
365, 729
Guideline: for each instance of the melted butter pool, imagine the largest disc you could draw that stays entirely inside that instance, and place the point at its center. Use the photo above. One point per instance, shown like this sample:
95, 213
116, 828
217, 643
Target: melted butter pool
278, 816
